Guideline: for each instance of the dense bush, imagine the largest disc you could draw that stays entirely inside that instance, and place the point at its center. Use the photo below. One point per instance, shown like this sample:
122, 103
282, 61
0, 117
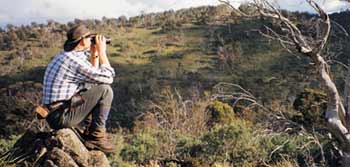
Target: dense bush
304, 148
116, 159
141, 148
221, 113
232, 143
312, 104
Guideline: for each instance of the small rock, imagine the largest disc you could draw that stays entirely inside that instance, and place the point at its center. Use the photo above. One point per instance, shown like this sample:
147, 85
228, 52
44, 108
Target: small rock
61, 158
98, 159
71, 143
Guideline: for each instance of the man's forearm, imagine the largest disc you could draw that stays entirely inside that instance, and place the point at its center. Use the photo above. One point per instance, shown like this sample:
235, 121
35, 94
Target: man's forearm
103, 59
94, 60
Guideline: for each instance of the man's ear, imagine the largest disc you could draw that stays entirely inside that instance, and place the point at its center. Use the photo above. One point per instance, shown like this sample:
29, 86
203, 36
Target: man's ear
82, 43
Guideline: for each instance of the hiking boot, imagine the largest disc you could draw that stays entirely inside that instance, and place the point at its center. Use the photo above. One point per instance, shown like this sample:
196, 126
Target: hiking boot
97, 140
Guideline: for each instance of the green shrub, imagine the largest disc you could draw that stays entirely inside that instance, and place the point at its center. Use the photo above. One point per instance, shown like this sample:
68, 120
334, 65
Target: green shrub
233, 143
312, 104
116, 159
171, 164
283, 146
141, 148
221, 113
188, 147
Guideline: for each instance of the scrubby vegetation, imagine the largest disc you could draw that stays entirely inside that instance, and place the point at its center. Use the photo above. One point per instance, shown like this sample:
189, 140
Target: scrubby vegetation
169, 108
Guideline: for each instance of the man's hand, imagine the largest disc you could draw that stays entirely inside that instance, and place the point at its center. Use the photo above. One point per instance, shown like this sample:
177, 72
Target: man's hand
99, 51
101, 46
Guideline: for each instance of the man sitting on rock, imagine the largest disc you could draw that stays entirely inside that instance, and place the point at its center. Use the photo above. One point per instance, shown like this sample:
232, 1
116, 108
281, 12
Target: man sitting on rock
76, 87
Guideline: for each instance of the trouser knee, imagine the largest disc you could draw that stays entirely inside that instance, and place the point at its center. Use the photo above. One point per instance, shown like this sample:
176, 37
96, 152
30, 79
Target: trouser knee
106, 94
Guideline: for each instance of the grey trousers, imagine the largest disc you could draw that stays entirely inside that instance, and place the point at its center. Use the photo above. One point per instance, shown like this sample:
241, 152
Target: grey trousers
97, 102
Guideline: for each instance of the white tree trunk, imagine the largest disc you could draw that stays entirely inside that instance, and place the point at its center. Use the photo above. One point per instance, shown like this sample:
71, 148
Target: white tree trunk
335, 113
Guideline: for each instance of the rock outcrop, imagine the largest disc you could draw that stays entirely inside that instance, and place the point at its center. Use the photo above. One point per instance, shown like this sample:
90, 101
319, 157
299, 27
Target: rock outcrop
54, 149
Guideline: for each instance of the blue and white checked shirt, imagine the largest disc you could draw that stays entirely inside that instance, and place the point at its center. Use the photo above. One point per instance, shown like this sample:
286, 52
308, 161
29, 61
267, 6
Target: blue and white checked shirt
68, 72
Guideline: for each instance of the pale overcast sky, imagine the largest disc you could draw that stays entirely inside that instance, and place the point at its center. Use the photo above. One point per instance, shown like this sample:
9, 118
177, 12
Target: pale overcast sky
26, 11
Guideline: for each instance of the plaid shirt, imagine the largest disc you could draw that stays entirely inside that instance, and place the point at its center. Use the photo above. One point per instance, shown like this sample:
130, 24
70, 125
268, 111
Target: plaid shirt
68, 72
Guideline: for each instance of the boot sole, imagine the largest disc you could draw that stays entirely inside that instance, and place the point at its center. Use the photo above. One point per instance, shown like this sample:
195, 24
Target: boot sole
91, 146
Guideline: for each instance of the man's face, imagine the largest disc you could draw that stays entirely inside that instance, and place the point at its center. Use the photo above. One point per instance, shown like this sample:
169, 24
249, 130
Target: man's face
87, 42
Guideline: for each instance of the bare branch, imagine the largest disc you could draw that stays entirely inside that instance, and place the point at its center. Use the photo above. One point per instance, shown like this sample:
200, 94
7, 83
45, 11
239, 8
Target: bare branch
340, 27
283, 40
239, 95
339, 63
272, 12
221, 84
327, 25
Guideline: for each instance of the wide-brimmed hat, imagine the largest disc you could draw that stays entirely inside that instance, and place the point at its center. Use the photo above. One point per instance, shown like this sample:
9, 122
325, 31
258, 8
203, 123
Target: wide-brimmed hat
74, 35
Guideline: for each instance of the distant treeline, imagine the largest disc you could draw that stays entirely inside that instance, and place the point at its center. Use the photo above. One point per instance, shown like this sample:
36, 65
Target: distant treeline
11, 36
25, 42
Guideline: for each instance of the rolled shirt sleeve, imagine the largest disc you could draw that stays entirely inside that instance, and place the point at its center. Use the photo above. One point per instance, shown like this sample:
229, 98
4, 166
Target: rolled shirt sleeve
85, 72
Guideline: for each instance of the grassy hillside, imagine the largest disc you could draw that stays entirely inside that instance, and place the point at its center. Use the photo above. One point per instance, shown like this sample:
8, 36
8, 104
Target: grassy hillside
166, 108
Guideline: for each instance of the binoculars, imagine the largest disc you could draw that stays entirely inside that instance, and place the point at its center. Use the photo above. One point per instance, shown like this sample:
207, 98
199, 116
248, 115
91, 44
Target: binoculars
93, 40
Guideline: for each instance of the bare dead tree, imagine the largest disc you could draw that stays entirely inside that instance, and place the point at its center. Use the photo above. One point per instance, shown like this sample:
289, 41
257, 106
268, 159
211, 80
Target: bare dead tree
311, 45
